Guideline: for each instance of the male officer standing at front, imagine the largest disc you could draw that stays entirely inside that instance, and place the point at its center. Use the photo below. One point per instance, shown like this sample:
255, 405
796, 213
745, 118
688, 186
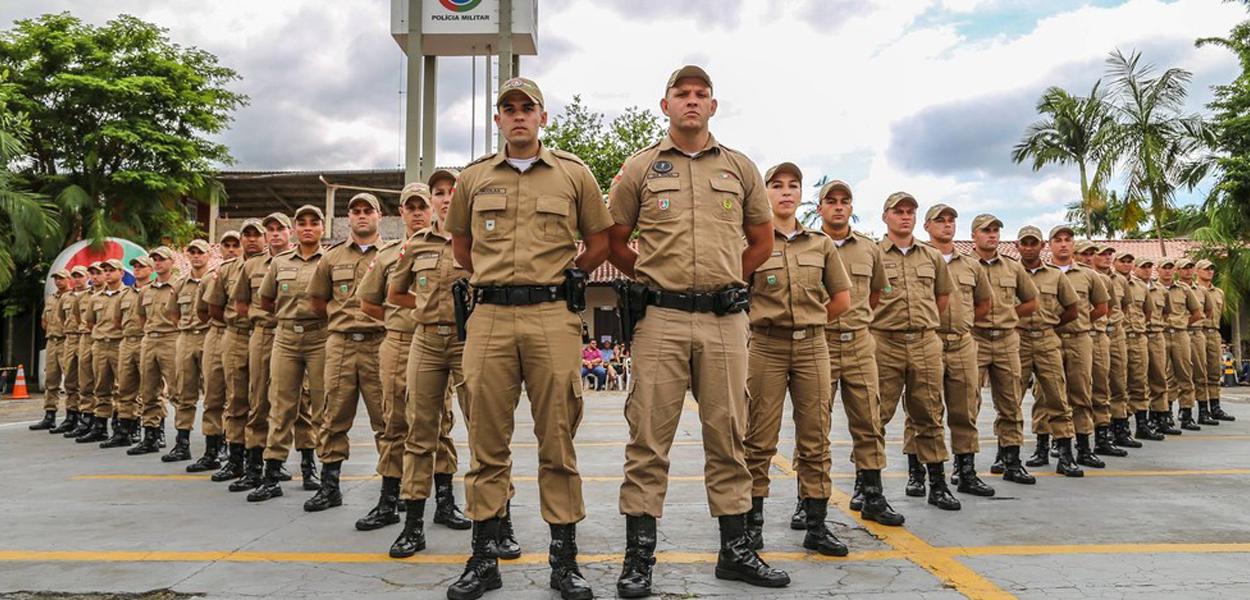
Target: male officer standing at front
126, 319
1206, 275
191, 333
692, 201
68, 307
212, 367
53, 327
1182, 310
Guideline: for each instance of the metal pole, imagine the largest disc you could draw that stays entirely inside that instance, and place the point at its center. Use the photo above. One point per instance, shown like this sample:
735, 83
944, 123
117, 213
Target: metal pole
429, 118
473, 106
412, 137
489, 102
213, 211
505, 48
328, 231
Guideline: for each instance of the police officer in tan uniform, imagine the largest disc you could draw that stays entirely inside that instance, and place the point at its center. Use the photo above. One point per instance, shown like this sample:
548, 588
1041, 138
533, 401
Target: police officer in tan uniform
1041, 354
86, 377
688, 186
191, 334
1182, 310
299, 345
1205, 273
795, 293
212, 420
68, 307
852, 357
237, 330
1157, 357
105, 341
961, 383
1137, 362
1198, 341
1089, 254
52, 321
158, 351
1117, 337
125, 316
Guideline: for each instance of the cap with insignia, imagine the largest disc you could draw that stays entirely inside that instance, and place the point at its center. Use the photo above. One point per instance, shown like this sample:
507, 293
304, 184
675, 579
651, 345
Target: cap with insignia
61, 274
281, 218
232, 234
521, 85
1166, 262
438, 174
79, 270
142, 261
1142, 261
1058, 229
309, 209
1122, 254
1105, 248
694, 71
936, 211
416, 191
162, 251
366, 198
1029, 231
1185, 263
1205, 264
198, 244
785, 167
95, 266
985, 220
835, 184
898, 198
252, 223
113, 263
1084, 246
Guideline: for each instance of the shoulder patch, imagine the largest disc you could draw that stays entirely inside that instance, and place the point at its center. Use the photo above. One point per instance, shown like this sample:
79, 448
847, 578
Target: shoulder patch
568, 156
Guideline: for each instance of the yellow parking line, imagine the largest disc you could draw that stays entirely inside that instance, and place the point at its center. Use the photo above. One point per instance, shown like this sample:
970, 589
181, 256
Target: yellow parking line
1178, 548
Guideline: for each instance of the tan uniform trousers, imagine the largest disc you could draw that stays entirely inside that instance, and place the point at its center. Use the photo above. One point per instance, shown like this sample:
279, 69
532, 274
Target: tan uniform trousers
1078, 369
86, 377
1041, 356
1157, 370
190, 377
129, 365
1100, 378
1137, 369
910, 368
1119, 374
853, 372
256, 431
69, 370
214, 373
674, 351
434, 367
393, 358
1215, 364
961, 393
1180, 368
775, 365
998, 357
158, 366
539, 345
234, 361
104, 369
52, 373
351, 372
1198, 348
295, 356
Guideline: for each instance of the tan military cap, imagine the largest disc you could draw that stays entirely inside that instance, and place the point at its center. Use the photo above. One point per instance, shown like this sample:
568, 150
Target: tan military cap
79, 270
198, 244
898, 198
416, 191
367, 198
113, 263
252, 223
1124, 254
95, 266
1205, 264
1057, 229
1185, 263
61, 274
1142, 261
1105, 248
231, 234
281, 218
452, 174
936, 211
1029, 231
985, 220
1083, 246
310, 209
143, 261
694, 71
835, 184
785, 167
162, 251
522, 85
1166, 262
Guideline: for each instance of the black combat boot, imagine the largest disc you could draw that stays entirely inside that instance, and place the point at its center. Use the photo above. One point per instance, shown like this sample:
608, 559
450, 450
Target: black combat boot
1067, 465
876, 508
308, 470
81, 427
1146, 427
98, 433
329, 496
160, 441
446, 512
151, 437
798, 520
1187, 420
1102, 442
68, 425
182, 447
857, 494
48, 421
1122, 436
1218, 412
506, 547
562, 556
998, 466
121, 435
387, 511
253, 471
481, 574
738, 562
755, 523
1163, 422
1041, 454
208, 462
136, 432
1085, 455
635, 579
1015, 473
270, 486
412, 539
1204, 414
233, 469
915, 477
969, 483
818, 537
939, 494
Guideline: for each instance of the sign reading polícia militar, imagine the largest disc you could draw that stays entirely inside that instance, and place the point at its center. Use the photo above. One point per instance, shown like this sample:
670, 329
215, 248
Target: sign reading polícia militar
466, 27
81, 253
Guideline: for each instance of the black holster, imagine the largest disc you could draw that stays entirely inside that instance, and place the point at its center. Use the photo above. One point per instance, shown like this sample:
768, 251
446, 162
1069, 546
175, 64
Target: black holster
631, 306
462, 306
575, 289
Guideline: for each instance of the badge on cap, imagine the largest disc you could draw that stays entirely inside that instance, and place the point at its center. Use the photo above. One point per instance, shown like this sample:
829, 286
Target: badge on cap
664, 203
662, 166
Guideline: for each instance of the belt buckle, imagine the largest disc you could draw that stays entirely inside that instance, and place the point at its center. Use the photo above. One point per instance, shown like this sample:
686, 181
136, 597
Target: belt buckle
297, 328
846, 336
800, 334
443, 329
911, 336
358, 337
518, 295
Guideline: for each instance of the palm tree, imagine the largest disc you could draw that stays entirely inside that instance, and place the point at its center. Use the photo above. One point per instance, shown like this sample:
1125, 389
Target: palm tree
1162, 147
1074, 130
29, 224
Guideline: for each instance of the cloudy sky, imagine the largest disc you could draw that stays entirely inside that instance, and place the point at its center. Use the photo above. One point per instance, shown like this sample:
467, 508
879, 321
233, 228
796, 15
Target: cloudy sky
922, 95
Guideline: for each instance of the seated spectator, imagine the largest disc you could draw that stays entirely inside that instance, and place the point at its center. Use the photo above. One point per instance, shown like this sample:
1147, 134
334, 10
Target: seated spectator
610, 360
592, 364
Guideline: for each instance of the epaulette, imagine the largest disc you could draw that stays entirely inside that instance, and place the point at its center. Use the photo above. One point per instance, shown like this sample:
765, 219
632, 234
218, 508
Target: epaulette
569, 156
1005, 257
481, 159
389, 244
864, 236
334, 245
651, 146
289, 251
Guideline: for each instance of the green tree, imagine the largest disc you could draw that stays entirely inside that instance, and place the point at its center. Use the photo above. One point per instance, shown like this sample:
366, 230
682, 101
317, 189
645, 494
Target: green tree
29, 224
604, 147
1074, 130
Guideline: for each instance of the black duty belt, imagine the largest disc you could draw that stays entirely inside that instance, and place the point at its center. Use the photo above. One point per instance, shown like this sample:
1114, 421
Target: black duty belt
519, 295
723, 302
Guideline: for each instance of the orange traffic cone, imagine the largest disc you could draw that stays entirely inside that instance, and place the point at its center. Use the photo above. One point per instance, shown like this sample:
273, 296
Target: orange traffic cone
19, 386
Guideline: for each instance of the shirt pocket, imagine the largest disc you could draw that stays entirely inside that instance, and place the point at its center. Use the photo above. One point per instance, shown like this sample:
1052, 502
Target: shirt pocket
861, 280
812, 269
288, 282
342, 279
659, 202
490, 216
926, 274
1007, 287
424, 278
728, 199
967, 285
553, 217
771, 275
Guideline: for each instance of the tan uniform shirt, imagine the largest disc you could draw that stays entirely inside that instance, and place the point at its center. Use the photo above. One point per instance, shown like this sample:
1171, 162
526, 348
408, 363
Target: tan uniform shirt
1157, 297
1117, 288
792, 288
690, 213
69, 312
334, 281
427, 269
127, 311
1012, 286
85, 302
287, 281
102, 315
186, 294
1089, 286
201, 298
153, 304
1217, 305
525, 225
1100, 324
862, 258
53, 316
373, 287
217, 291
1136, 293
1180, 304
247, 289
908, 301
1055, 295
972, 286
1208, 307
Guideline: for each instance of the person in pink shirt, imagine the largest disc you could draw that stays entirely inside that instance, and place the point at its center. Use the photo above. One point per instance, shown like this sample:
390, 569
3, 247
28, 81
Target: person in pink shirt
592, 363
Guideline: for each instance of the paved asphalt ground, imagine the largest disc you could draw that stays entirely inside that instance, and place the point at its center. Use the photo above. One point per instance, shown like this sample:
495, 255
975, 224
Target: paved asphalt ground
1169, 521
